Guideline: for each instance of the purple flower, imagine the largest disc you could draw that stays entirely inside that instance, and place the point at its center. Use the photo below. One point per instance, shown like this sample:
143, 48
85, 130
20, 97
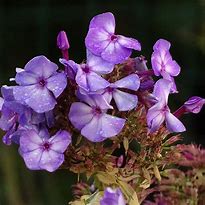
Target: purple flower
162, 62
194, 104
92, 120
123, 100
88, 75
160, 112
41, 152
39, 84
112, 197
102, 41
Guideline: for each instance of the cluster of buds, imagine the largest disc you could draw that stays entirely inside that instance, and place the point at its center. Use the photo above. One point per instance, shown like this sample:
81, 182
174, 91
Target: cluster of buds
105, 118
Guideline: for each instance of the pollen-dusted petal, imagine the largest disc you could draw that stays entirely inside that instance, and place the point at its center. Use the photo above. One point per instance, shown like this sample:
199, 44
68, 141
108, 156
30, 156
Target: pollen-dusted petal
131, 82
60, 141
162, 44
57, 83
173, 123
80, 114
115, 53
129, 42
97, 40
51, 160
26, 78
41, 66
105, 21
111, 125
98, 65
38, 98
125, 101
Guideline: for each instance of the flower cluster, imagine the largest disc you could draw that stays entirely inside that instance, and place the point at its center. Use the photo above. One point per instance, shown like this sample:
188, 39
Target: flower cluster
107, 96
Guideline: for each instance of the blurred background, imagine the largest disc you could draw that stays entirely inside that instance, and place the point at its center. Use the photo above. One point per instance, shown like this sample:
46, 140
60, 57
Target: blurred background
29, 28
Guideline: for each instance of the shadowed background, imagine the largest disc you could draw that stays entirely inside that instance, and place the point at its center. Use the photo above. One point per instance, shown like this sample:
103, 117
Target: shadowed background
29, 28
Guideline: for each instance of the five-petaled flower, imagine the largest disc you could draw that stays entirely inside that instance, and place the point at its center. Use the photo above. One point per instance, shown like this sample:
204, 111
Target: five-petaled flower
102, 41
39, 84
41, 152
160, 112
92, 120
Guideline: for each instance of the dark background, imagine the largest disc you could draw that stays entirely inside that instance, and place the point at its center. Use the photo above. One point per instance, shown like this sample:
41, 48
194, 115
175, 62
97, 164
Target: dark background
29, 28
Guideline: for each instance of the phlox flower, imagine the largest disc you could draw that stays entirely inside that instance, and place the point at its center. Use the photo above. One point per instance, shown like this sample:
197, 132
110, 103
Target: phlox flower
102, 41
160, 112
39, 84
90, 117
41, 152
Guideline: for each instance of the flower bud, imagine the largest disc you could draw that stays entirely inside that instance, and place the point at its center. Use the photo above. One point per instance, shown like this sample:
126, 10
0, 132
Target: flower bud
194, 104
62, 41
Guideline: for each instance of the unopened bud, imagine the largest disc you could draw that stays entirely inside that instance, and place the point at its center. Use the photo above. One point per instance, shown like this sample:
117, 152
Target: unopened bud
194, 104
62, 41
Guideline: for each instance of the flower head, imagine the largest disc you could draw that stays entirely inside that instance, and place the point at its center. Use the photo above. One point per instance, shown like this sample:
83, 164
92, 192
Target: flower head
102, 41
92, 120
160, 112
41, 152
112, 197
39, 84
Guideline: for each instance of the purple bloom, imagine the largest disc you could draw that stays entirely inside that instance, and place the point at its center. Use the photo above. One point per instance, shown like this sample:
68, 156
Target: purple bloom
88, 75
160, 112
92, 120
102, 41
39, 84
162, 62
194, 104
41, 152
123, 100
112, 197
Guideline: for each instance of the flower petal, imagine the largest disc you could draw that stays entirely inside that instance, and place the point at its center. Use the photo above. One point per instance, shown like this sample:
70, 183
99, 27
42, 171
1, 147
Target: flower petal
125, 101
80, 114
96, 82
30, 141
162, 44
115, 53
60, 141
57, 83
172, 68
129, 42
174, 124
97, 40
41, 66
38, 98
32, 159
111, 125
105, 21
155, 117
51, 160
131, 82
98, 65
26, 78
92, 130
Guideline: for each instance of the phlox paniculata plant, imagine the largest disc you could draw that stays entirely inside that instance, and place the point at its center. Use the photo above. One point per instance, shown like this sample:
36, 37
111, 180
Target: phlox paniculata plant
107, 120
